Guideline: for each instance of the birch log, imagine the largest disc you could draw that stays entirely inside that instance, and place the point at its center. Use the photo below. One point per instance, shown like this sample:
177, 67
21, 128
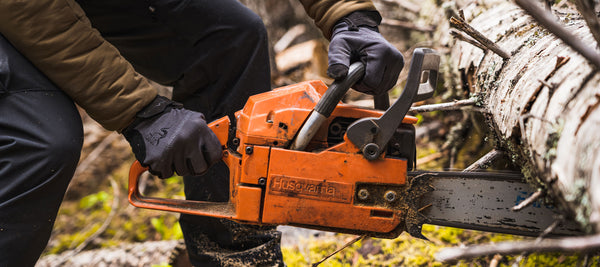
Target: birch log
542, 102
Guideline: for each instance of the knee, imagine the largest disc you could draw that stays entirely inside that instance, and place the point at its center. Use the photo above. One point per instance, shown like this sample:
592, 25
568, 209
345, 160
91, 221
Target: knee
65, 147
60, 146
252, 30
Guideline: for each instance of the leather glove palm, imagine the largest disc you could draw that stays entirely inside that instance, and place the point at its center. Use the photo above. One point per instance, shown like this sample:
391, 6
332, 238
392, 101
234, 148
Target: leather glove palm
357, 38
168, 138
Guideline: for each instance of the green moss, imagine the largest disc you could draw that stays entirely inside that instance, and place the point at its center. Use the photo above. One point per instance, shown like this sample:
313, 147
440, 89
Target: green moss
552, 141
78, 220
89, 201
538, 34
293, 257
167, 227
523, 30
408, 251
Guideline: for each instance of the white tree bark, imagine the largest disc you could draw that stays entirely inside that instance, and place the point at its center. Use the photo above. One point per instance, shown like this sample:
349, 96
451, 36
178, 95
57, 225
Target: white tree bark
545, 113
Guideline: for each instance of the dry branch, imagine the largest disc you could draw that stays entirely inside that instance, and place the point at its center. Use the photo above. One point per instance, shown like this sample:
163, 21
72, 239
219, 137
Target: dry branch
456, 105
123, 255
571, 244
496, 260
354, 240
461, 37
548, 21
535, 196
549, 229
484, 161
466, 28
587, 11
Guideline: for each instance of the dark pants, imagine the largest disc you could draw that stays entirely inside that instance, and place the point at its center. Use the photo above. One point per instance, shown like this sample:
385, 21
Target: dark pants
214, 54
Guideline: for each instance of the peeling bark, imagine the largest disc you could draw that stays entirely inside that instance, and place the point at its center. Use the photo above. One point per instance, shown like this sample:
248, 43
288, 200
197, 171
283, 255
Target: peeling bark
543, 102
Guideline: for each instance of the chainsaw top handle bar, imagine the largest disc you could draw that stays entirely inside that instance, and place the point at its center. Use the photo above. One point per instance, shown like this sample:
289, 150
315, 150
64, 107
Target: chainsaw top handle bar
326, 105
338, 89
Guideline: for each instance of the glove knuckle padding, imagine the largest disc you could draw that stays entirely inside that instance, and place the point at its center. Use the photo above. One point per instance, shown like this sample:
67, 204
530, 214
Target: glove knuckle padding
388, 65
196, 143
339, 51
213, 151
160, 135
174, 140
357, 38
337, 71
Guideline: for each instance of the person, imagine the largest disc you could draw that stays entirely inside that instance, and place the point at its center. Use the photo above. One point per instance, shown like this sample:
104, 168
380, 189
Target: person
100, 54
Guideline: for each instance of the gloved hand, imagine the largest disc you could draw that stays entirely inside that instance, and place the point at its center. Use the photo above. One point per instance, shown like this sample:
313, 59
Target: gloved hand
356, 37
167, 138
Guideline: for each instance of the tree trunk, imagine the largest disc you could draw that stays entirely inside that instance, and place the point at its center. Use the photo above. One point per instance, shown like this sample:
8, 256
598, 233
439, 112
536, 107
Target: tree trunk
542, 102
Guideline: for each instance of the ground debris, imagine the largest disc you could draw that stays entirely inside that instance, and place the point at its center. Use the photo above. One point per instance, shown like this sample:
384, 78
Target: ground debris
125, 255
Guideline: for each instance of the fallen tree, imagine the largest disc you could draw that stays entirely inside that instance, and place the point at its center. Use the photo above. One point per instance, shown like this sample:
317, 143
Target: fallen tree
541, 99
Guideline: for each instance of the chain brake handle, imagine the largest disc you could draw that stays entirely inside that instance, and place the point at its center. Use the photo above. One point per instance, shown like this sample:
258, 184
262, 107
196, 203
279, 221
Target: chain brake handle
326, 105
371, 135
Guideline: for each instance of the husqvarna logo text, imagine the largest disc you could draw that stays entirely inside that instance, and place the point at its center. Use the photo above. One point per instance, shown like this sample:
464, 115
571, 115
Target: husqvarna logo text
311, 188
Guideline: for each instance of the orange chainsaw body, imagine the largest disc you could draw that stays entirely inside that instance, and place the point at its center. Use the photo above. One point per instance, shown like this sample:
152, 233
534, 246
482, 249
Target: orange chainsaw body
316, 188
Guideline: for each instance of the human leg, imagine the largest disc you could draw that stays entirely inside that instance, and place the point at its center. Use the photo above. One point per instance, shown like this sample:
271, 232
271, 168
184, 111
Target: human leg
214, 50
235, 65
40, 142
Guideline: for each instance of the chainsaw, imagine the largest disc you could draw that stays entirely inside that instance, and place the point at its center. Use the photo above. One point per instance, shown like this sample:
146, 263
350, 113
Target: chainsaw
298, 156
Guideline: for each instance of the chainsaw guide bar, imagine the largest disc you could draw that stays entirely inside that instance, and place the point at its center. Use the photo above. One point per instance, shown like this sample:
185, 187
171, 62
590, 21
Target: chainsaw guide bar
484, 200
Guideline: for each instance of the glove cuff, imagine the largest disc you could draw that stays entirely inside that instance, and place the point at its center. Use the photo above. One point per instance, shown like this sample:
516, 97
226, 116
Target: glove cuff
159, 105
361, 18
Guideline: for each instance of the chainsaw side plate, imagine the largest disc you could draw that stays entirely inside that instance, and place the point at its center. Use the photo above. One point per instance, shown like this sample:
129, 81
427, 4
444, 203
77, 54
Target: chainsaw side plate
319, 190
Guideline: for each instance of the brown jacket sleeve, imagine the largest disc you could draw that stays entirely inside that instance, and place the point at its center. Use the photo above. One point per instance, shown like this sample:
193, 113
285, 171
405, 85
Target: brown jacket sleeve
59, 40
327, 12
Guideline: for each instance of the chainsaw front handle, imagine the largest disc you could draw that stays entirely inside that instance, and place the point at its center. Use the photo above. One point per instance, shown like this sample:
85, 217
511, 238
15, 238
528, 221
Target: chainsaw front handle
326, 105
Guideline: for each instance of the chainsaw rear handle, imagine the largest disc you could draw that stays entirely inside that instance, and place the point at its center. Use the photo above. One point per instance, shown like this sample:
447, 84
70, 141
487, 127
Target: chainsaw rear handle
204, 208
326, 105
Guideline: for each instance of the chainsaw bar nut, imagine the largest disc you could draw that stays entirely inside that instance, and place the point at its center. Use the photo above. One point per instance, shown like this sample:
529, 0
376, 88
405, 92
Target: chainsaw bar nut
371, 151
390, 196
363, 194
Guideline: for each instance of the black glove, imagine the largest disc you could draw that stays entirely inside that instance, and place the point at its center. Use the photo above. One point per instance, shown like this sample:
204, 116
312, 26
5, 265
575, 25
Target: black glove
357, 38
167, 138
